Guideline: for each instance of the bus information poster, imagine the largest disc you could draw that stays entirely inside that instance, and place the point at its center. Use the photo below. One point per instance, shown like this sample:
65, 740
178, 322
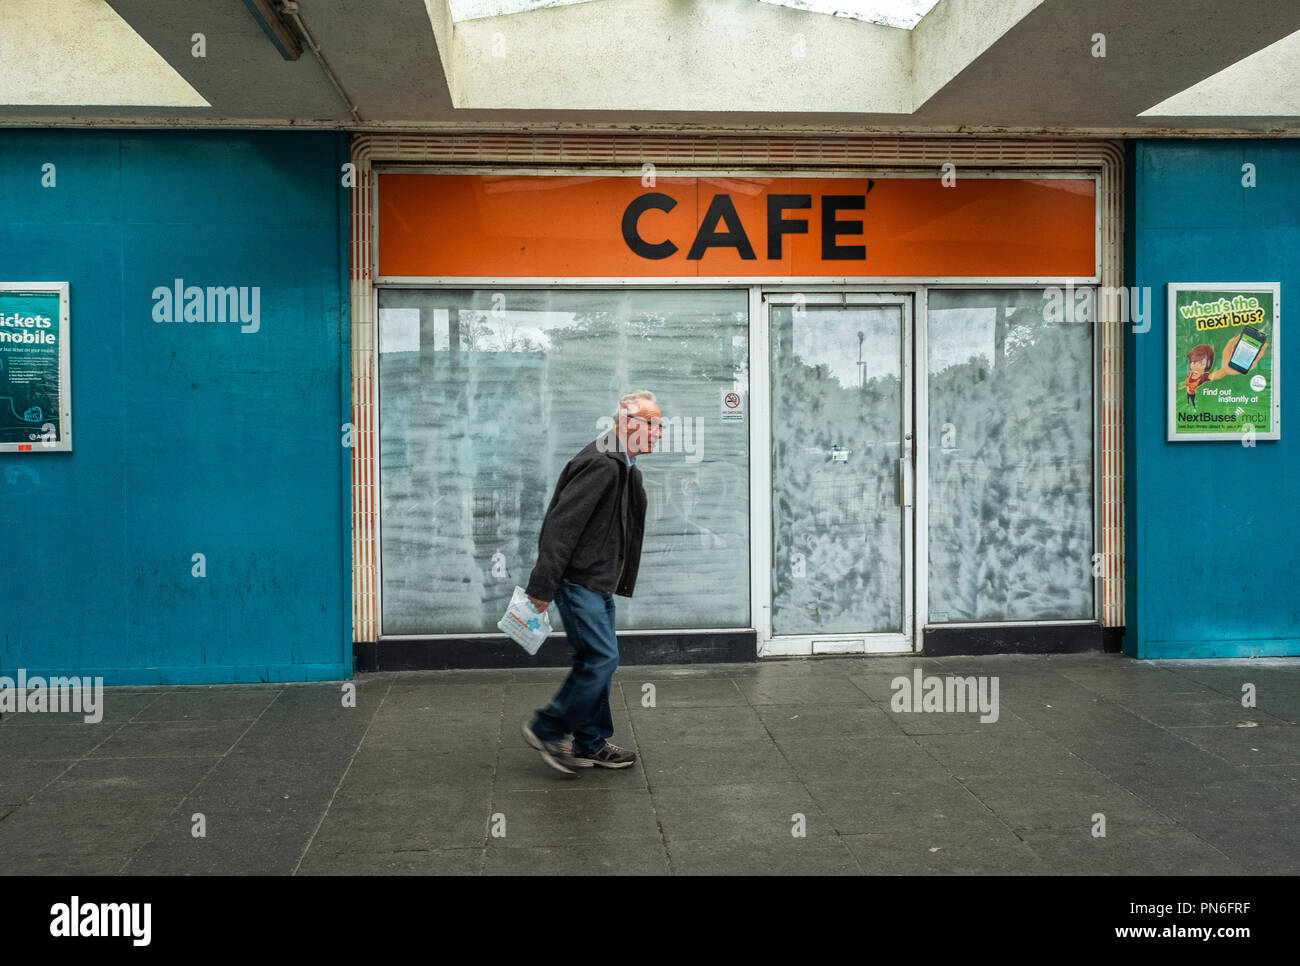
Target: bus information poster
1224, 361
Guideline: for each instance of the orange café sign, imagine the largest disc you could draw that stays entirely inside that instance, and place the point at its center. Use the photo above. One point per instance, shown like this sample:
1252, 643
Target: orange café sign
554, 226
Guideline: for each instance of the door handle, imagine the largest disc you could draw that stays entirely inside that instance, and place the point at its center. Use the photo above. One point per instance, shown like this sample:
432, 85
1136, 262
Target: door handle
905, 482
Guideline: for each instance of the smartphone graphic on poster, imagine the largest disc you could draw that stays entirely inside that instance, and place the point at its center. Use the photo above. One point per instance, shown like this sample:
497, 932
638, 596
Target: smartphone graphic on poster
1247, 349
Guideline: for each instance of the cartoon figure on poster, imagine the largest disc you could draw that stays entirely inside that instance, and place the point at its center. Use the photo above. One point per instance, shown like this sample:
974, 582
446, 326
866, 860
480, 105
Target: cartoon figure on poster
1241, 354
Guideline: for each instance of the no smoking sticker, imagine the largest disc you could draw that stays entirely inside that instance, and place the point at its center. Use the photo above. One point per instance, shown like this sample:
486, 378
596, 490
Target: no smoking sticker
733, 406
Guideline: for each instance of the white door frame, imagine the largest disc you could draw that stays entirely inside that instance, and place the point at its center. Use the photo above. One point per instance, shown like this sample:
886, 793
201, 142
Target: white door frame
761, 507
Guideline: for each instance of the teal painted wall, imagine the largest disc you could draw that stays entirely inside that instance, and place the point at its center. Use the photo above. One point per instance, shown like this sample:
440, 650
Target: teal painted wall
189, 437
1212, 553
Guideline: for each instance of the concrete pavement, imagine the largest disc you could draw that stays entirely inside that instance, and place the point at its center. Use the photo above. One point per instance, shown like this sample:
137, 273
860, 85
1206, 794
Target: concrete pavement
791, 767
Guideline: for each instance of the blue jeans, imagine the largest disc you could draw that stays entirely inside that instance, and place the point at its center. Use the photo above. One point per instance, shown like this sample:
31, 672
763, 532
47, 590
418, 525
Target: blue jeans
582, 705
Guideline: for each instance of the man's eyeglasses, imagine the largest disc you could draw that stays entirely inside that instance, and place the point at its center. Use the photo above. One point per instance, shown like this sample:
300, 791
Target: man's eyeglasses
652, 423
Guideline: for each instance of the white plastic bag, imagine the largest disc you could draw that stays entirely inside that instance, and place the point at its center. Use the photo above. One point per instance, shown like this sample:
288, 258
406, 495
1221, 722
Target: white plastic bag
524, 623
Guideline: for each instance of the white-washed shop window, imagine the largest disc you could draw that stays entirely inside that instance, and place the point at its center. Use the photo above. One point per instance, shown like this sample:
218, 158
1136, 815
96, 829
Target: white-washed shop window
1010, 458
484, 396
837, 393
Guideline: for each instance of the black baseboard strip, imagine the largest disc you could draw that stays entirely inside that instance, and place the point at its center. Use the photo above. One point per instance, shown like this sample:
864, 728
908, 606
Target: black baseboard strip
715, 648
1028, 639
501, 652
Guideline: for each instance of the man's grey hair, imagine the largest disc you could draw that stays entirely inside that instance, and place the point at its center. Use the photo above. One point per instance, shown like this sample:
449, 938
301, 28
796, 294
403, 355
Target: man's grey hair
623, 406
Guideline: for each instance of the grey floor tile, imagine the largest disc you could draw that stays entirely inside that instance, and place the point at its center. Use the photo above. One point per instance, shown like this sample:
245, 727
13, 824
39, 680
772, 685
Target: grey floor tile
21, 778
172, 739
1161, 850
895, 806
121, 783
698, 725
637, 857
797, 856
233, 847
860, 759
1270, 744
752, 812
995, 753
321, 738
1284, 776
997, 851
1148, 754
409, 862
521, 696
469, 676
102, 862
401, 767
430, 817
923, 723
116, 706
53, 740
795, 721
445, 731
697, 693
449, 698
1187, 708
274, 779
76, 837
1135, 679
1023, 801
323, 703
637, 673
214, 705
573, 813
826, 689
722, 761
1251, 821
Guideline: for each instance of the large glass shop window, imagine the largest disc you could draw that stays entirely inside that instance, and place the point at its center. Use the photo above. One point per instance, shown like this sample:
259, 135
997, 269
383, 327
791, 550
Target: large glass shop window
1010, 457
484, 396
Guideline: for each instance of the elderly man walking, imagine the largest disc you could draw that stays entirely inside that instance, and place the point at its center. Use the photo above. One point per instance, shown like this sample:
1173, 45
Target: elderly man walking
589, 550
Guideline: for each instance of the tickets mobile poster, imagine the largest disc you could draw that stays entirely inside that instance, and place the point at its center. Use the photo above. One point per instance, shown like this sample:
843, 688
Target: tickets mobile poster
35, 389
1224, 361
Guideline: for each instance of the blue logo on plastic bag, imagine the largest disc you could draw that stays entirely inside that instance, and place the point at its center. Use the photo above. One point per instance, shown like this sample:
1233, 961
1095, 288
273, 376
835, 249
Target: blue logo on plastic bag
534, 623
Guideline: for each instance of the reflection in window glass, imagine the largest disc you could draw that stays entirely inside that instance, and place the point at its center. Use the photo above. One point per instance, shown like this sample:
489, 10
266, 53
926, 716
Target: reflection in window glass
483, 399
1010, 459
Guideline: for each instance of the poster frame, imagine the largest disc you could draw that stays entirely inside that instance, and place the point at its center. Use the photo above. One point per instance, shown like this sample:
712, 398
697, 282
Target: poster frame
1174, 371
64, 442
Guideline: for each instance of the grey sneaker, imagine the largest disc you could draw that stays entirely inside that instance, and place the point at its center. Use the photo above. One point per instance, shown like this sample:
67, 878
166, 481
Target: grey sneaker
557, 754
609, 756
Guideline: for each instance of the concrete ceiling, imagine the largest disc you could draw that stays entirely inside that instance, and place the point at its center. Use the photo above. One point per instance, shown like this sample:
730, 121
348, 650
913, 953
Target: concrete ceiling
971, 66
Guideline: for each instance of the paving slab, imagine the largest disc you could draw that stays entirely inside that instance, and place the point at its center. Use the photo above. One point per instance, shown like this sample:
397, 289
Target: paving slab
945, 852
571, 813
772, 857
172, 739
1128, 851
900, 806
722, 761
748, 812
404, 862
605, 858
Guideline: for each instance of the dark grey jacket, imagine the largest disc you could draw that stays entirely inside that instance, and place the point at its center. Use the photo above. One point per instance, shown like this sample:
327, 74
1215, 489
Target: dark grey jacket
593, 528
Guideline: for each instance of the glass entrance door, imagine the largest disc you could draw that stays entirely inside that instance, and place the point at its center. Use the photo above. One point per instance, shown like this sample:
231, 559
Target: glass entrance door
840, 428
